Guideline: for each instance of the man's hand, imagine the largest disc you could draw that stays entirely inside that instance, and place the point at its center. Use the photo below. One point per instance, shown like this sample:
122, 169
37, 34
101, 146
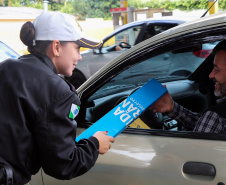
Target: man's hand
164, 104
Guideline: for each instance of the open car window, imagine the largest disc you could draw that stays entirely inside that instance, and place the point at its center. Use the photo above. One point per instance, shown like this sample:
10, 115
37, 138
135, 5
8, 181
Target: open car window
170, 68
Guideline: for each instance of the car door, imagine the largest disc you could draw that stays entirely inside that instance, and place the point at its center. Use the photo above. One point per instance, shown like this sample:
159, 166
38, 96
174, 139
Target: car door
153, 156
134, 159
171, 155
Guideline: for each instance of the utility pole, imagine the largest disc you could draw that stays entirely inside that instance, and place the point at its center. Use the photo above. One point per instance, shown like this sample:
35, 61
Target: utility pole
214, 8
124, 4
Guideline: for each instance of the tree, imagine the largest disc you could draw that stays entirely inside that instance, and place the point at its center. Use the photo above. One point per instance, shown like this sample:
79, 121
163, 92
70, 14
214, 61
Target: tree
6, 2
94, 8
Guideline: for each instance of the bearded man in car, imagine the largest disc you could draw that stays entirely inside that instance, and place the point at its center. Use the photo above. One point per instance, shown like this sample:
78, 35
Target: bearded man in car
213, 120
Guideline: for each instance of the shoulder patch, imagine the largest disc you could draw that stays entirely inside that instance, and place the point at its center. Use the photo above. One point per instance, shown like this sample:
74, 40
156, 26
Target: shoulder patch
74, 111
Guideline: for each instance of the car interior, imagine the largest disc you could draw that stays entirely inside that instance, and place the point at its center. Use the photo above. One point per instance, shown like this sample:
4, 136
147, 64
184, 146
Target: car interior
190, 87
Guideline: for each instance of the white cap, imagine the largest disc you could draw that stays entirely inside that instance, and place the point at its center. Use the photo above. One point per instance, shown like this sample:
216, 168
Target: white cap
51, 26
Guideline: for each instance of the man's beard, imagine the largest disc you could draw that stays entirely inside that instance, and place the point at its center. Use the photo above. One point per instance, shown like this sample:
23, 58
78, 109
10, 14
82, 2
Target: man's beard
221, 90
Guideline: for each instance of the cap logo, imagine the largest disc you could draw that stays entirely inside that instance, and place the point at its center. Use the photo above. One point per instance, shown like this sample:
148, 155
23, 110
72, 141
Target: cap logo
74, 111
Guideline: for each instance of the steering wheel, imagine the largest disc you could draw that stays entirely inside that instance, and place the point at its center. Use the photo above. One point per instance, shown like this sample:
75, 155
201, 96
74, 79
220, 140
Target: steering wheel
124, 45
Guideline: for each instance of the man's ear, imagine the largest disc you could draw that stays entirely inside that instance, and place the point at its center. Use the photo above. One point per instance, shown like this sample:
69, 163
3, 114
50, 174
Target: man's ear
56, 48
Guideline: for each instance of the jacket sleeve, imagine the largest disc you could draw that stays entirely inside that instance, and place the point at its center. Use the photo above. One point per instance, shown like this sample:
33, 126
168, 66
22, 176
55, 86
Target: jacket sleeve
60, 156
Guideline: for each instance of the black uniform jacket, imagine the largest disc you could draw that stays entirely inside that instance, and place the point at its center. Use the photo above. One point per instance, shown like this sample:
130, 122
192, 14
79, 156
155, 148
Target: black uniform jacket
35, 128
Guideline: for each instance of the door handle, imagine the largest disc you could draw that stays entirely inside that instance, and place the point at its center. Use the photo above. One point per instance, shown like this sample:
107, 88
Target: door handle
199, 168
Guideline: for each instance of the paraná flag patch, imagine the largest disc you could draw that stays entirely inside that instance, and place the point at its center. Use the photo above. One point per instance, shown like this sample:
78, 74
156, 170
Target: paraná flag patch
74, 111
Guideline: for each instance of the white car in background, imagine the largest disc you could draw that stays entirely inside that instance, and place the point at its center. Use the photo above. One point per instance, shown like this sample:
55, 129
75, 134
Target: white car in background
7, 52
156, 149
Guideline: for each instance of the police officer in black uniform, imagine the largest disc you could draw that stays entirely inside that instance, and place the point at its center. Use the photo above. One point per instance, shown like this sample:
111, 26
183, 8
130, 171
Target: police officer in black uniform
37, 107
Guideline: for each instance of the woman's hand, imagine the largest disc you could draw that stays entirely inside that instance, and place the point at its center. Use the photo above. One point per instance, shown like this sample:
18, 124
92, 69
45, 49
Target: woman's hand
104, 141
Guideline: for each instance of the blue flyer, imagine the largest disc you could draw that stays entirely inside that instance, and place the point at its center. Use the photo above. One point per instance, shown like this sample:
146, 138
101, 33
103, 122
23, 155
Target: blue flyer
116, 120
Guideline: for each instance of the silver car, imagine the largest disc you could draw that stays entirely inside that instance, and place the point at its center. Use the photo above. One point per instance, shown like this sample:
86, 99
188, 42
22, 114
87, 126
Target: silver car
156, 149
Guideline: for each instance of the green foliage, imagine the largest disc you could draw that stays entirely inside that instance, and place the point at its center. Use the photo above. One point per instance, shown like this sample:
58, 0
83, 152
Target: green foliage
168, 5
6, 2
13, 2
94, 8
101, 8
67, 8
34, 4
171, 5
80, 9
222, 4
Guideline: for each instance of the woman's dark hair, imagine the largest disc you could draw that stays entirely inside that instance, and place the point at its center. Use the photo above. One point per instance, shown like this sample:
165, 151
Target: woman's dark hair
27, 35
